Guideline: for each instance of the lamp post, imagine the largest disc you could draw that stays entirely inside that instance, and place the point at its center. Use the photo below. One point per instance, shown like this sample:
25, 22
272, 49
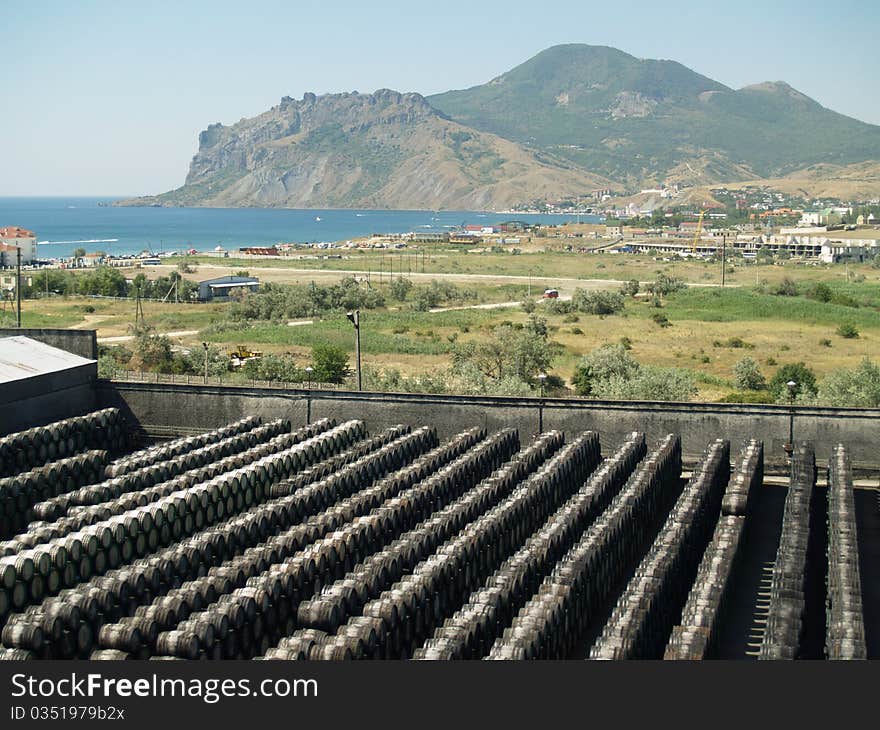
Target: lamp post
792, 390
355, 318
542, 378
309, 371
205, 345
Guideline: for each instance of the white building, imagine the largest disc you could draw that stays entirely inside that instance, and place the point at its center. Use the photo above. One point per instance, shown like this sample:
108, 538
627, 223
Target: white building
13, 237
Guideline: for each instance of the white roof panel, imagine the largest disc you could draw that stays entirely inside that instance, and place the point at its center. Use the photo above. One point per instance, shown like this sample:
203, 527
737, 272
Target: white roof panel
22, 358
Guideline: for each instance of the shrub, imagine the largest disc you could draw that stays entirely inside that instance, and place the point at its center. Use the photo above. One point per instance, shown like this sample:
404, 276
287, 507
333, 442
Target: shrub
630, 288
661, 319
528, 305
650, 383
597, 302
803, 377
785, 288
571, 319
664, 285
602, 364
626, 343
855, 387
825, 342
848, 331
399, 288
576, 331
330, 363
747, 375
276, 367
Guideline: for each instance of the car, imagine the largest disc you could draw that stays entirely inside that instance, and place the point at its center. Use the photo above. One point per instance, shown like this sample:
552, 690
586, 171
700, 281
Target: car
551, 294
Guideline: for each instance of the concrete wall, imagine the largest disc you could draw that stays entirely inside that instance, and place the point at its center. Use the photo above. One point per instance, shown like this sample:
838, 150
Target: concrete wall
164, 408
80, 342
45, 398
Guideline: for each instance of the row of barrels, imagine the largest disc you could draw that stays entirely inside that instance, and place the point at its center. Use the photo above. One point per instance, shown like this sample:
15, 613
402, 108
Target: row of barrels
288, 579
189, 560
177, 447
429, 521
120, 592
19, 493
30, 574
697, 634
651, 604
785, 618
41, 532
397, 616
569, 600
158, 472
24, 450
845, 620
153, 625
472, 630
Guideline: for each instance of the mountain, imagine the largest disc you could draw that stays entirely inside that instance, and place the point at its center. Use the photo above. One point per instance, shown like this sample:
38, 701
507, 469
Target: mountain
639, 121
381, 150
570, 120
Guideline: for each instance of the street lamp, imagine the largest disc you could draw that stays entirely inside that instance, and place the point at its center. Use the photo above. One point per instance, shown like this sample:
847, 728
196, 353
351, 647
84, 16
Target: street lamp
309, 371
791, 386
542, 378
355, 318
205, 345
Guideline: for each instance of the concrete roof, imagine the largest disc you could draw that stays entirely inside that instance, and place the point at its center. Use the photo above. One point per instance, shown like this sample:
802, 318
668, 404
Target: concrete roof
22, 358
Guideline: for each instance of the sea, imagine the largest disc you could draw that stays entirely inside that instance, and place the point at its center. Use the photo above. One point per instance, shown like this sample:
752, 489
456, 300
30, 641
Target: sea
63, 225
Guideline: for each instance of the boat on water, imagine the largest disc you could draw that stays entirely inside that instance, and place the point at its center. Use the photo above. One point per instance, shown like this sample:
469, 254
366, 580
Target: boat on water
317, 219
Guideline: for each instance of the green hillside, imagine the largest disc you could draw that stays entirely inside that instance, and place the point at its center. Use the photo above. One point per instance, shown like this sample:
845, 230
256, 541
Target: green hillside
634, 119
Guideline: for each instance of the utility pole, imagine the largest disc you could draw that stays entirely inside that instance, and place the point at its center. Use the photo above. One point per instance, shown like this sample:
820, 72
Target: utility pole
18, 285
355, 318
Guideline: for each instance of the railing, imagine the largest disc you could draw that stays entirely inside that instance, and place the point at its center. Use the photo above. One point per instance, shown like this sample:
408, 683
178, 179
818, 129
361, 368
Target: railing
140, 376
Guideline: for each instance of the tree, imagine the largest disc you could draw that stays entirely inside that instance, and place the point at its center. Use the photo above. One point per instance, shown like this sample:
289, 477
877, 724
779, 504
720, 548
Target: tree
330, 363
747, 375
803, 377
78, 253
611, 372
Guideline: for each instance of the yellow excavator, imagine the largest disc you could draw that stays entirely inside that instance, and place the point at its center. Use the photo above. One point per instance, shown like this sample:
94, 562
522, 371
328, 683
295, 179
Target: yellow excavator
240, 354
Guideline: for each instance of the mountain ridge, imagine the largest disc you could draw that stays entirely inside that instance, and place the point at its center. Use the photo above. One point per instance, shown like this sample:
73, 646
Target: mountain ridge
571, 119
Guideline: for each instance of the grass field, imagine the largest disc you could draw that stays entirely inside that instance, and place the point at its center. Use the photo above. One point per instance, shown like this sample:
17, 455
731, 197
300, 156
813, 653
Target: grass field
709, 328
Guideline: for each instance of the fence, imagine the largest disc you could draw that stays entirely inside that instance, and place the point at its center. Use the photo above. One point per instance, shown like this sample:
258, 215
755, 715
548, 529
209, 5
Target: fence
140, 376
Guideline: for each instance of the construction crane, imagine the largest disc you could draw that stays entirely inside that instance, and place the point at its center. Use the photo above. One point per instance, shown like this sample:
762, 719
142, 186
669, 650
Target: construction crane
698, 233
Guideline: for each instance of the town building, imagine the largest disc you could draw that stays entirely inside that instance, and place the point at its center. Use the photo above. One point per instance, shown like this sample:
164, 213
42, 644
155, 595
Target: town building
12, 238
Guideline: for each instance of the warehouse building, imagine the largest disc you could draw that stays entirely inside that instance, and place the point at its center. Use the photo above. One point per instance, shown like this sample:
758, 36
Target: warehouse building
223, 286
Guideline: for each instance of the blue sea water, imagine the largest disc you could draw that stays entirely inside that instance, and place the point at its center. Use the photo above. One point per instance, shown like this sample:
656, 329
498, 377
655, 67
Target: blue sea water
64, 224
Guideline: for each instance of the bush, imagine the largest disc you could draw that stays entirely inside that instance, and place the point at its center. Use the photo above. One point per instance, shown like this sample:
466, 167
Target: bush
856, 387
626, 343
825, 342
650, 383
747, 375
803, 377
597, 302
601, 365
848, 331
661, 319
279, 368
330, 363
630, 288
528, 305
400, 288
664, 285
785, 288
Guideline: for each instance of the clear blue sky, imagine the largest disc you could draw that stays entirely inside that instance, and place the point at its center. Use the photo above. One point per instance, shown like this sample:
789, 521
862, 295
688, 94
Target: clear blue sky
108, 97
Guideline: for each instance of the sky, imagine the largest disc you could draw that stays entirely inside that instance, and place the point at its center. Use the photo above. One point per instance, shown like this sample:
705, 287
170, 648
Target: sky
108, 98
